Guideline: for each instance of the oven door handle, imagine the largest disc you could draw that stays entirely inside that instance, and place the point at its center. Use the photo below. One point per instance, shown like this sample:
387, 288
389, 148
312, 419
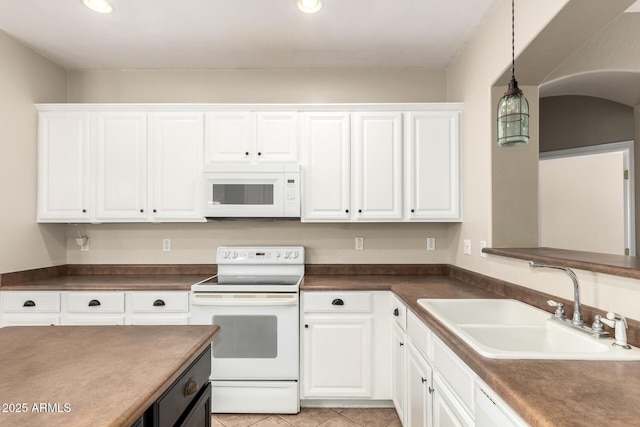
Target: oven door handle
244, 299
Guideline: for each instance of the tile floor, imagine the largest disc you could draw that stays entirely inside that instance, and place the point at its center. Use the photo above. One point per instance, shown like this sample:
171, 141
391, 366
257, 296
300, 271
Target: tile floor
313, 417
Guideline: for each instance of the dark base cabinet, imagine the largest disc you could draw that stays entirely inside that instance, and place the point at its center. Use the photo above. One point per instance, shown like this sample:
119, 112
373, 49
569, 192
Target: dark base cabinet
187, 402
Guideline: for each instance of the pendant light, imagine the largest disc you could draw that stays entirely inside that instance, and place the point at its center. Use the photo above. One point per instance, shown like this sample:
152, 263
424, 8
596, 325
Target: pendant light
513, 108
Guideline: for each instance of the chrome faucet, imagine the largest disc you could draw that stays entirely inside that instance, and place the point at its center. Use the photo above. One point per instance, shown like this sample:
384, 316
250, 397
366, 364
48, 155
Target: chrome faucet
577, 313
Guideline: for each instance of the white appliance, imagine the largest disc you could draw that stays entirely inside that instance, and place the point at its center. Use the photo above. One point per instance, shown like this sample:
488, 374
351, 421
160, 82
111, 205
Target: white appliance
254, 299
252, 191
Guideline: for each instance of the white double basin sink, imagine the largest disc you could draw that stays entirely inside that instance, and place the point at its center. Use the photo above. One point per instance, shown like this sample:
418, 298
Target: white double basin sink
511, 329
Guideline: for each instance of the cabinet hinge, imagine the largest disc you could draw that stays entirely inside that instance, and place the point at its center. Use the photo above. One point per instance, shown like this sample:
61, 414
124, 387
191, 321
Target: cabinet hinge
626, 174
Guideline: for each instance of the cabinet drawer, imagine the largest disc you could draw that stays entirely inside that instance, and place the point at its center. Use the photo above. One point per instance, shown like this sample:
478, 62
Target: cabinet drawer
30, 302
399, 312
95, 302
337, 302
184, 390
420, 335
160, 302
455, 372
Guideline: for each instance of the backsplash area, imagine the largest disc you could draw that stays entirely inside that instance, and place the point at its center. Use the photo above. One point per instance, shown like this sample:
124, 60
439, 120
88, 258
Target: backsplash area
196, 243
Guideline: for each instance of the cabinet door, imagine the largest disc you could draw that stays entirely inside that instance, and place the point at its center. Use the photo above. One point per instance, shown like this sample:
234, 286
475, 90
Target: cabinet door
433, 166
398, 360
229, 137
447, 411
276, 136
326, 166
419, 411
64, 178
121, 166
176, 147
377, 174
337, 354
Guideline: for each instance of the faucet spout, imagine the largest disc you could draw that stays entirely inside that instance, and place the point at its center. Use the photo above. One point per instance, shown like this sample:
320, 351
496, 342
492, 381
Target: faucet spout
577, 312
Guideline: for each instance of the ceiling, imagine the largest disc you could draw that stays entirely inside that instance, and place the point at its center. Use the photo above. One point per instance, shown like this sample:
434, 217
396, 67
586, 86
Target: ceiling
246, 33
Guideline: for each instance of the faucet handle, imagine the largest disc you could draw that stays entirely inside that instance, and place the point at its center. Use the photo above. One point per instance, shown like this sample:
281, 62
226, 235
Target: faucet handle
559, 308
620, 325
597, 326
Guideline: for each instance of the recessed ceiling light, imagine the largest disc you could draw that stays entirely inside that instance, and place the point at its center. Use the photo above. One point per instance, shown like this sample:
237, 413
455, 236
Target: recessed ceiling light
309, 6
100, 6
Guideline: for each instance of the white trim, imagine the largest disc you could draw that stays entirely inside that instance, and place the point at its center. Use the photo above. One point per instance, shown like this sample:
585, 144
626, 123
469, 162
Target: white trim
418, 106
626, 147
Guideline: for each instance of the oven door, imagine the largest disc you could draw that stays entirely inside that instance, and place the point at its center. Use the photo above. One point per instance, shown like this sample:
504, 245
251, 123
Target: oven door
240, 195
258, 337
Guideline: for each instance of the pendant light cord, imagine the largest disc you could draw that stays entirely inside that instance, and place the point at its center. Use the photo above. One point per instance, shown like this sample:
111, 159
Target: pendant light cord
513, 43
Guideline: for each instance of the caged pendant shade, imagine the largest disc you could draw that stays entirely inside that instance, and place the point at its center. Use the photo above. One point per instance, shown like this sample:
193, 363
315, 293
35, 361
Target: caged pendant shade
513, 108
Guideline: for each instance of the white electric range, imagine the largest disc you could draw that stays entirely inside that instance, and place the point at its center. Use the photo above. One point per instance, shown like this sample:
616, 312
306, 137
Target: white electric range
254, 299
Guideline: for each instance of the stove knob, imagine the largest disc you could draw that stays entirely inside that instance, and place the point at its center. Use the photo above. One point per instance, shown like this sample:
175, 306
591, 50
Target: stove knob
277, 254
287, 255
234, 255
224, 254
295, 254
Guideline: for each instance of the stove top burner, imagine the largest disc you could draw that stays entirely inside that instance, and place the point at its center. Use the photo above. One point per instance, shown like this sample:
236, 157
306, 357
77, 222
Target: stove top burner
249, 283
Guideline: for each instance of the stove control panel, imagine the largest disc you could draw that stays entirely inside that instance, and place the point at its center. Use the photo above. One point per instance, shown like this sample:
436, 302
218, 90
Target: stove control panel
260, 255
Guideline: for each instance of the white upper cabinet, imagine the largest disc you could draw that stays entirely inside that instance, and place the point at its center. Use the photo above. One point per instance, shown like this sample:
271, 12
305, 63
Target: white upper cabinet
326, 163
63, 166
277, 136
377, 166
247, 137
352, 165
433, 166
229, 137
145, 162
121, 166
176, 166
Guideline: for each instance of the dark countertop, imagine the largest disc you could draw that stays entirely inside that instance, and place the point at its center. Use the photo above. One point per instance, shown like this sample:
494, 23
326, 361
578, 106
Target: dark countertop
543, 392
110, 282
616, 265
103, 375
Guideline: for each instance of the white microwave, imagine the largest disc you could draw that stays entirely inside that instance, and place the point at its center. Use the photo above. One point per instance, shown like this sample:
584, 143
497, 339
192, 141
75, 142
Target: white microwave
252, 191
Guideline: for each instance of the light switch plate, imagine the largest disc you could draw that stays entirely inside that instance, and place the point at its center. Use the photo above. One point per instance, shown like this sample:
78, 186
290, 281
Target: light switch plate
431, 243
359, 243
467, 247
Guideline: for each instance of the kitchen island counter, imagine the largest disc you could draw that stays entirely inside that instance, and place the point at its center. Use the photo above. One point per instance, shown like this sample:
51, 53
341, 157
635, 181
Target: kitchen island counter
91, 375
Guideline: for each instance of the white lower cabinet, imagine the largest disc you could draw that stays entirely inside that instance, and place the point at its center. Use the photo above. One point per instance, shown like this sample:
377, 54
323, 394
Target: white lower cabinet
30, 308
398, 369
447, 410
159, 308
491, 411
345, 346
40, 308
419, 411
441, 390
94, 308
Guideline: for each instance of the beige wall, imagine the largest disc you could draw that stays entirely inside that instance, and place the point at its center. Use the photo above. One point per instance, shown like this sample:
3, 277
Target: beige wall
470, 80
196, 243
253, 85
580, 121
25, 78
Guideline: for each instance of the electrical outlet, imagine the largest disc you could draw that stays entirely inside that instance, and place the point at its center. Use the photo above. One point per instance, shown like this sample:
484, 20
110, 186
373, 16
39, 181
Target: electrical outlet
166, 245
359, 243
467, 247
483, 244
85, 246
431, 243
